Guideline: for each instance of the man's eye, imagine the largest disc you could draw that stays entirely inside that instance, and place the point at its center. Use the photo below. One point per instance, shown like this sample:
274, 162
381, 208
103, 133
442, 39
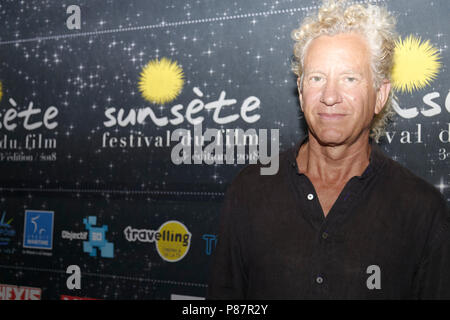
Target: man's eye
315, 78
351, 79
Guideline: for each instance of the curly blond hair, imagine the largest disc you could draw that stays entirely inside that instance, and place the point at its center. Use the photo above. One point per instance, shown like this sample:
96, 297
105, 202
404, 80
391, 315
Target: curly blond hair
374, 23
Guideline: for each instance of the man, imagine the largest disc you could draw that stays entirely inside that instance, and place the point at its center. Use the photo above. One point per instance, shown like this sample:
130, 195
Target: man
340, 220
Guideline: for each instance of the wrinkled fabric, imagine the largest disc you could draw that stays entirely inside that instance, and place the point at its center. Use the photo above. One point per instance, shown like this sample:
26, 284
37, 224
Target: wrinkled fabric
387, 236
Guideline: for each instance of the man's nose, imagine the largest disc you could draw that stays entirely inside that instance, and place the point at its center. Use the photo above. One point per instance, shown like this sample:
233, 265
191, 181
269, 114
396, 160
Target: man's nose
330, 94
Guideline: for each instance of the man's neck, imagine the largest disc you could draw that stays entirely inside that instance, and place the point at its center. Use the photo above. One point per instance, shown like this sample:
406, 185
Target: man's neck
333, 164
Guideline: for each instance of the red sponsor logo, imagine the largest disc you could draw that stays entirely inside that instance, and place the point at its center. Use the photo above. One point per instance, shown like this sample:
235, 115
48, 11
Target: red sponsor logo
11, 292
64, 297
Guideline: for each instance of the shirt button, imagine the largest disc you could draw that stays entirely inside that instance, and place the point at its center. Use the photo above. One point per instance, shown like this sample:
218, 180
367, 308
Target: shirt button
319, 280
324, 235
310, 196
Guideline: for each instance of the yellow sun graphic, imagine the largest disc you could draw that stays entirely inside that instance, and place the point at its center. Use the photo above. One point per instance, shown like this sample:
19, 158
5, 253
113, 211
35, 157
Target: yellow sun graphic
161, 81
416, 64
1, 91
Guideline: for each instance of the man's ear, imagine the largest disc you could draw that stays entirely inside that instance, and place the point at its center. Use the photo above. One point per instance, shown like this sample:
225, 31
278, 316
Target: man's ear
300, 95
382, 95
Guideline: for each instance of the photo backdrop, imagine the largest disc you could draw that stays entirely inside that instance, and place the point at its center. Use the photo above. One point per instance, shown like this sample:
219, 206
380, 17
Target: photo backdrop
87, 131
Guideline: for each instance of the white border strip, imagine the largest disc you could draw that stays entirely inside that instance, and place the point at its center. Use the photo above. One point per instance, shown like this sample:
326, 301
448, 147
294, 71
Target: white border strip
113, 276
172, 24
139, 192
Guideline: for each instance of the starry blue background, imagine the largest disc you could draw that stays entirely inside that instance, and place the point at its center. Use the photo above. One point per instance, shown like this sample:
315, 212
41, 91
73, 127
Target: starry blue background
243, 48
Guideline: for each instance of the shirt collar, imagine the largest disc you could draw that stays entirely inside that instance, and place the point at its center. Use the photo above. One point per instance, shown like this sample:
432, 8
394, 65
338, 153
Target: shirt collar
376, 161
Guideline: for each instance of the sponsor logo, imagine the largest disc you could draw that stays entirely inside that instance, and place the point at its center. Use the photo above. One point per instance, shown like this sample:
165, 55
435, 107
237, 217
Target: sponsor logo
7, 232
97, 239
11, 292
70, 235
65, 297
211, 242
38, 233
172, 239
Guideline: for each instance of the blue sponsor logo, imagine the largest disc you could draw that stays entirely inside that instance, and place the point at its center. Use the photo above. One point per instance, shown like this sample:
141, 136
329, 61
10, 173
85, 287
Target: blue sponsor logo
6, 230
97, 239
38, 232
211, 242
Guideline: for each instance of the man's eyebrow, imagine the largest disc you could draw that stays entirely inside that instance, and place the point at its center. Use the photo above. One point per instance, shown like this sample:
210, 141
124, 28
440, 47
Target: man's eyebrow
313, 71
350, 71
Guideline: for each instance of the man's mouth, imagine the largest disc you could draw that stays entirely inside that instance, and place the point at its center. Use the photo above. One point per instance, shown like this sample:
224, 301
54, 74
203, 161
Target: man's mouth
331, 116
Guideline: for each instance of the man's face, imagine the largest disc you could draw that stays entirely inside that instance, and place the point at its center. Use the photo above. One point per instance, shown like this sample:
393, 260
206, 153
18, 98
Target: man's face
338, 97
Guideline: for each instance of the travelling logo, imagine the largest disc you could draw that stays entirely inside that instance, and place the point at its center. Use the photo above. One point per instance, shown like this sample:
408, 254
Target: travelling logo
172, 239
6, 231
97, 239
38, 233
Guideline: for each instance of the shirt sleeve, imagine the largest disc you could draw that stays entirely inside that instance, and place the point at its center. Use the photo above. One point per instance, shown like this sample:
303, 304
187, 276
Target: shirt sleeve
433, 276
227, 276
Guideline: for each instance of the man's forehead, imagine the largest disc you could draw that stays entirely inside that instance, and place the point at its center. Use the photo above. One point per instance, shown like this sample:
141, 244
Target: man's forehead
343, 42
322, 70
345, 52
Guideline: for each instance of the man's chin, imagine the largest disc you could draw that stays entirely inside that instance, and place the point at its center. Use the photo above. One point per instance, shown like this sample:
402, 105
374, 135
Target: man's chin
330, 143
330, 140
337, 138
